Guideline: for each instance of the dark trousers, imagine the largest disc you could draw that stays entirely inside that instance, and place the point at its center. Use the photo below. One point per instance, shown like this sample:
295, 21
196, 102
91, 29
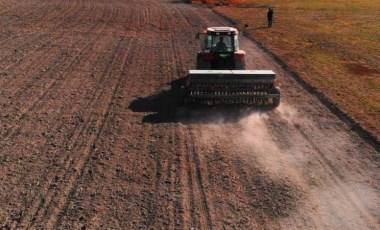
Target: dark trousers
270, 22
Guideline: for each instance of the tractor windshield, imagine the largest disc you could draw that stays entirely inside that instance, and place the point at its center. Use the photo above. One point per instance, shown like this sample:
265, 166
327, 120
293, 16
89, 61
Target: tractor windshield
219, 43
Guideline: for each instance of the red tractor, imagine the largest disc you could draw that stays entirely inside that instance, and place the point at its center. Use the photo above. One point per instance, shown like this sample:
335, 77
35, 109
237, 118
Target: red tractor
221, 78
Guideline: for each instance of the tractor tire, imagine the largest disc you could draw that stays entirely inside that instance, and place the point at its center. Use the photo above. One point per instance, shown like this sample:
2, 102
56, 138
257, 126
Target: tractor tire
276, 101
183, 96
201, 64
240, 65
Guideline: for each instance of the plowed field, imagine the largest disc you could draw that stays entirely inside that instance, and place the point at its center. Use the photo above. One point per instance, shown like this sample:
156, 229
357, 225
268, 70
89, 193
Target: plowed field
90, 135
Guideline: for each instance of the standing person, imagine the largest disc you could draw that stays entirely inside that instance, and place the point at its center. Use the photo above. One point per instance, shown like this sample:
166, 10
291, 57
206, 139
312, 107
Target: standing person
270, 17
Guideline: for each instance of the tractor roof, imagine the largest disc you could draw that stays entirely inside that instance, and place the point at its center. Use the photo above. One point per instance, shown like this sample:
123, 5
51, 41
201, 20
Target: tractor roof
222, 30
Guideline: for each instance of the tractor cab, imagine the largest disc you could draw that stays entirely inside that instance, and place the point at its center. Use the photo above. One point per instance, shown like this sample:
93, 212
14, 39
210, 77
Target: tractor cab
214, 37
220, 49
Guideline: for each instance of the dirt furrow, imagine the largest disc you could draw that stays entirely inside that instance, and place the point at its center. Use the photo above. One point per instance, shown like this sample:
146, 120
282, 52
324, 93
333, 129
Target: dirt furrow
91, 136
73, 137
55, 82
174, 188
30, 8
85, 150
204, 214
13, 47
126, 72
200, 217
39, 77
82, 165
44, 42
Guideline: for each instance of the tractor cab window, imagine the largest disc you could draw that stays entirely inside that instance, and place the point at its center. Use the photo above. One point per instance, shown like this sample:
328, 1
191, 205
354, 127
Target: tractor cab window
219, 43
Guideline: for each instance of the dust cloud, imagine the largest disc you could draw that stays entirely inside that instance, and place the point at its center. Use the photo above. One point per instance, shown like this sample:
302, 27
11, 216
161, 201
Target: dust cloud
339, 204
330, 202
346, 206
253, 137
262, 145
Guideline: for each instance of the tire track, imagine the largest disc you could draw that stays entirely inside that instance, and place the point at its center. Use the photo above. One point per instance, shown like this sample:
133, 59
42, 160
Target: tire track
70, 65
199, 210
131, 72
200, 213
196, 211
173, 175
56, 218
82, 164
260, 194
71, 145
76, 135
177, 52
153, 206
126, 74
164, 182
187, 184
179, 214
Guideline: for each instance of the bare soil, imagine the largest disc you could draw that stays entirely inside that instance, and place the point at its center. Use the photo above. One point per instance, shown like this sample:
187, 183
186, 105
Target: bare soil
91, 135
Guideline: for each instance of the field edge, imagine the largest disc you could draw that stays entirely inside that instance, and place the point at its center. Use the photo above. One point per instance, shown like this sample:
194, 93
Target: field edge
355, 125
